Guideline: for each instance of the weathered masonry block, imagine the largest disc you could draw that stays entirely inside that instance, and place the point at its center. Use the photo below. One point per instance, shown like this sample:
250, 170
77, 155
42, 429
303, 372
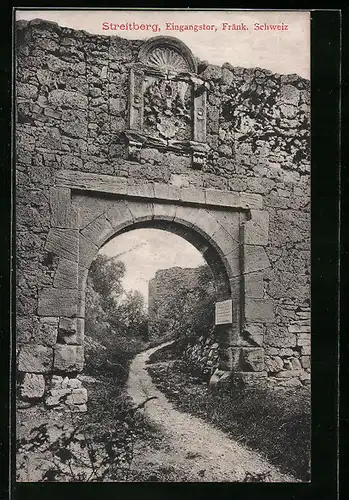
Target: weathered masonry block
68, 358
35, 358
221, 160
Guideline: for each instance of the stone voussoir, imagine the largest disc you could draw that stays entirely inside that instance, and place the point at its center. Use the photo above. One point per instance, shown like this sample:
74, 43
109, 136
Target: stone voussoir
207, 223
98, 231
164, 211
63, 242
166, 192
87, 252
57, 302
224, 241
140, 210
119, 215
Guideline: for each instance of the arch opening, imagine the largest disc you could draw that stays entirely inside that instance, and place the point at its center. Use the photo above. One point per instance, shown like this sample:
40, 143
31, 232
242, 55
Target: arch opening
211, 255
208, 251
182, 292
213, 231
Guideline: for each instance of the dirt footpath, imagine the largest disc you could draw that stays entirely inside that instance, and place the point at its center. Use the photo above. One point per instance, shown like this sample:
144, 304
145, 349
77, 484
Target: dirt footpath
192, 447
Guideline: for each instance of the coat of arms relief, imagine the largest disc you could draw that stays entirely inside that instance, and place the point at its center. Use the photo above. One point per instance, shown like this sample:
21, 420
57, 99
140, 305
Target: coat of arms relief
167, 109
167, 101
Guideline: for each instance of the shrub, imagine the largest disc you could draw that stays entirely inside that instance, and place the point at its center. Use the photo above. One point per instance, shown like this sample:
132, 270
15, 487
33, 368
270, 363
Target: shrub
90, 449
189, 312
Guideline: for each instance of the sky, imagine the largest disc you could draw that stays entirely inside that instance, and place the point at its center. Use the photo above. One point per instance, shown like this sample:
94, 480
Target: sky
144, 251
285, 51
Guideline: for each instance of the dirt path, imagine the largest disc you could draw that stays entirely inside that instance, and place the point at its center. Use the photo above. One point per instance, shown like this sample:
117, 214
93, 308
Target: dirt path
192, 448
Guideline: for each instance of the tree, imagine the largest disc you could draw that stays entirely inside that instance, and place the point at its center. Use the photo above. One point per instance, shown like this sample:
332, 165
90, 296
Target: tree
133, 315
106, 275
111, 311
189, 312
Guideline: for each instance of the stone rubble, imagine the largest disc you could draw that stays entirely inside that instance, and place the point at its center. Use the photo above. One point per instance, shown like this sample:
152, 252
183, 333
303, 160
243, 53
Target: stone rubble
65, 392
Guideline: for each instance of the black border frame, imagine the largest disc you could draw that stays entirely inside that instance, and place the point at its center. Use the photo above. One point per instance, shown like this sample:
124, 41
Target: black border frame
325, 116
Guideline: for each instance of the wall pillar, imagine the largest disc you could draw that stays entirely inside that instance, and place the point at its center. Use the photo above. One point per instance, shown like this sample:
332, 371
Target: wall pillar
49, 368
257, 310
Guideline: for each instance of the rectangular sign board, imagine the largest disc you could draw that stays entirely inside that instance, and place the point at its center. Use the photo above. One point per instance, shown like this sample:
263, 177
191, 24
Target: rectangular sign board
224, 312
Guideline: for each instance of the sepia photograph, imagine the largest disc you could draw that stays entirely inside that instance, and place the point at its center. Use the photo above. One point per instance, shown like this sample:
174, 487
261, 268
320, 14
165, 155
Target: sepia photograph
162, 199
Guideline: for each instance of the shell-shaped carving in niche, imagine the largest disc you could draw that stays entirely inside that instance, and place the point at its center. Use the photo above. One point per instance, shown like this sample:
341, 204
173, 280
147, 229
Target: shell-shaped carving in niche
166, 58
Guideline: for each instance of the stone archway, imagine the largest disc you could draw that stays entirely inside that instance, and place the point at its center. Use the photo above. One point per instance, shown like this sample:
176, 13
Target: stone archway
201, 227
87, 210
189, 223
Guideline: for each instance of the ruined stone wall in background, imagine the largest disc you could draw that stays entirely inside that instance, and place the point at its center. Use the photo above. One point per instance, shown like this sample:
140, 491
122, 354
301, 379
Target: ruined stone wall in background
72, 106
168, 286
176, 287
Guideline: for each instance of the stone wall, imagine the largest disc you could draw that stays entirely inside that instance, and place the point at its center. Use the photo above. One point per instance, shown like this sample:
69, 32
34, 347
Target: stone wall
171, 284
203, 357
73, 103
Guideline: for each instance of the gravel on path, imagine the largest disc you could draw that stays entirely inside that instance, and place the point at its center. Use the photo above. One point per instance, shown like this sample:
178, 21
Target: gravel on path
193, 447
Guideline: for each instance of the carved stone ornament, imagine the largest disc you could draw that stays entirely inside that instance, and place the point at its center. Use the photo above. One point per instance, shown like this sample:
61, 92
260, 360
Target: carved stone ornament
166, 59
134, 150
167, 101
167, 53
167, 109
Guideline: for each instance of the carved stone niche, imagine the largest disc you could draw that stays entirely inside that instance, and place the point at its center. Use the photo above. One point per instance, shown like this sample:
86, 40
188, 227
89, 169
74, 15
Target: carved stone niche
167, 101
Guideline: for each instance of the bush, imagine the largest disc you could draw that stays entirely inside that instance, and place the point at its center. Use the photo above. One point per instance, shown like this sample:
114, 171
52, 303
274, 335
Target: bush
189, 312
113, 357
93, 447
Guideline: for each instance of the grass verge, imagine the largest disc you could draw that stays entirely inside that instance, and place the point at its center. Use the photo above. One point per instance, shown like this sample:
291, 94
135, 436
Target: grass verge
276, 423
